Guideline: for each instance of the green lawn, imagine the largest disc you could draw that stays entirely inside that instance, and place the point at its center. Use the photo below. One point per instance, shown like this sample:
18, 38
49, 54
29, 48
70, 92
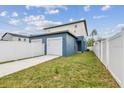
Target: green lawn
76, 71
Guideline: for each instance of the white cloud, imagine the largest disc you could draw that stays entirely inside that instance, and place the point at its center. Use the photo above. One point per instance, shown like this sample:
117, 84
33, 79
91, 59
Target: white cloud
105, 7
4, 13
99, 17
25, 13
39, 21
87, 8
27, 7
118, 27
48, 23
34, 20
14, 22
110, 31
82, 18
70, 20
56, 11
14, 14
49, 9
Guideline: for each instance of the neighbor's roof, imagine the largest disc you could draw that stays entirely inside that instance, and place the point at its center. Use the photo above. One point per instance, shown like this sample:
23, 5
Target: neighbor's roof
69, 24
13, 34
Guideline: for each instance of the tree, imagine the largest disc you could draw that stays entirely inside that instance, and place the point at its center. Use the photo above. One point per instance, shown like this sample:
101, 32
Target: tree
90, 42
93, 33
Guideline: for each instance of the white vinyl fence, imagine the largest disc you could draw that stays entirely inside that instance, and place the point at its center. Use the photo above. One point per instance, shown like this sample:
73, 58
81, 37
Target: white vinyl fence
111, 53
13, 50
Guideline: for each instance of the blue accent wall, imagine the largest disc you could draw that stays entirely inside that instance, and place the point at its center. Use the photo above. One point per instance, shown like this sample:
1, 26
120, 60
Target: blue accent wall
71, 45
69, 42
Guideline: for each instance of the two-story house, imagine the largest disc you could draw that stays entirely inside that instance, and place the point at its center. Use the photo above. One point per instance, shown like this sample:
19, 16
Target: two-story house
64, 39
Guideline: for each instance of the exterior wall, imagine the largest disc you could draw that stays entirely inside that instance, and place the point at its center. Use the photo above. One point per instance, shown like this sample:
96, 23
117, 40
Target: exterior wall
80, 30
66, 41
71, 45
13, 50
14, 38
9, 37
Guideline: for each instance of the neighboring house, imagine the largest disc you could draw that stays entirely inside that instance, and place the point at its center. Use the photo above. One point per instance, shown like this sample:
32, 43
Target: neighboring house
61, 40
1, 34
15, 37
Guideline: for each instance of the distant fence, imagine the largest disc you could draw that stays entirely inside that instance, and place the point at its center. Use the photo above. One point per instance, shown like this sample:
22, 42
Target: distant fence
13, 50
111, 53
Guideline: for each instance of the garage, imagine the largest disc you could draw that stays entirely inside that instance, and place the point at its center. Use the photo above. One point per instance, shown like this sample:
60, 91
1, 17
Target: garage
60, 44
54, 46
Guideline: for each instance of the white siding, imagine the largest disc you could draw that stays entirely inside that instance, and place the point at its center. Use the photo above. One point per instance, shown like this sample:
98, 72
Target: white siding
77, 31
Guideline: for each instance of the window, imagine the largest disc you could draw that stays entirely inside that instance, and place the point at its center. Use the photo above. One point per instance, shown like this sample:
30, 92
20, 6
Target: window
75, 26
24, 39
19, 39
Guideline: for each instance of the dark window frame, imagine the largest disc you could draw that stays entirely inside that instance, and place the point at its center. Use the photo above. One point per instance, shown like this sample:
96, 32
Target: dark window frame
19, 39
75, 26
24, 39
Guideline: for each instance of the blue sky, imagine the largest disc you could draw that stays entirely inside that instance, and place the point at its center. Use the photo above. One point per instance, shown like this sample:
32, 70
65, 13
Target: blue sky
32, 19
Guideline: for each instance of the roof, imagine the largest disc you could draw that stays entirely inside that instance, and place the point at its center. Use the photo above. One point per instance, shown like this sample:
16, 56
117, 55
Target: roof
32, 36
61, 32
69, 24
15, 35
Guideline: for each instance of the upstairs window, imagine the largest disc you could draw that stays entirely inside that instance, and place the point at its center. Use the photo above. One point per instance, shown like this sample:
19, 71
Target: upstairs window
75, 26
24, 39
19, 39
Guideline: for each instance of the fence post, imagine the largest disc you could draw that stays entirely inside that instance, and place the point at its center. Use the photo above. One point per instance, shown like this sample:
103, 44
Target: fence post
99, 50
122, 85
101, 55
107, 52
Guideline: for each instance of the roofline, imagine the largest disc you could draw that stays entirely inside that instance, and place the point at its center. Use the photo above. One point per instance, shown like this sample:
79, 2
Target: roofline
85, 23
38, 35
14, 35
53, 34
69, 24
3, 36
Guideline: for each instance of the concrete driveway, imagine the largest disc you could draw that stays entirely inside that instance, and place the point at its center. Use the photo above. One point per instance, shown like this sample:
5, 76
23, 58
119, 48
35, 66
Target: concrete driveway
9, 68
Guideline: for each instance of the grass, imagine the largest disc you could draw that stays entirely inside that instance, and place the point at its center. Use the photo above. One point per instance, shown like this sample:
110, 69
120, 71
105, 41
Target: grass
77, 71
